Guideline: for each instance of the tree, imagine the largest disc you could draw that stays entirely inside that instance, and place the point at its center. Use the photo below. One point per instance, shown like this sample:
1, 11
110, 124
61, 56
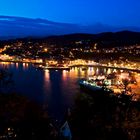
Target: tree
104, 114
125, 82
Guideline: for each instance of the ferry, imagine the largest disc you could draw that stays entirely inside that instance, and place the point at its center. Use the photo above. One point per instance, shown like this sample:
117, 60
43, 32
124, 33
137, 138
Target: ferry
84, 84
92, 85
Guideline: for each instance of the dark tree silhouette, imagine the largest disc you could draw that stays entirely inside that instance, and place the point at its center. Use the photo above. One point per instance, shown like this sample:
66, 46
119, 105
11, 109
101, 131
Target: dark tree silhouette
101, 116
125, 82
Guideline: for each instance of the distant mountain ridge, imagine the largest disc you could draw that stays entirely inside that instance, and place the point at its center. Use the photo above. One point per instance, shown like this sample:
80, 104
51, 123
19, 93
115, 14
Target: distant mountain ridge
18, 27
107, 39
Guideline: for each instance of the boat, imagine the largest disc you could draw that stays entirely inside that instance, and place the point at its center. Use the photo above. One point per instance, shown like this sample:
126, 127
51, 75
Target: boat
92, 85
84, 84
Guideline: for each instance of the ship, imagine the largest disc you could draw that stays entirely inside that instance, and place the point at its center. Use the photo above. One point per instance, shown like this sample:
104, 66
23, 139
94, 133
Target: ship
84, 84
95, 85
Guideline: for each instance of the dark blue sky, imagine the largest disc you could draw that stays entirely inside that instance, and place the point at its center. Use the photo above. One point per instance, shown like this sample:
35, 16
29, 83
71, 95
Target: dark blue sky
112, 12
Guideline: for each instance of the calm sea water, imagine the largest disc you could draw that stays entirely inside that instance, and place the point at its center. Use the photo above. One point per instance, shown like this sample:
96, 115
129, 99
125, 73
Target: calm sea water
55, 89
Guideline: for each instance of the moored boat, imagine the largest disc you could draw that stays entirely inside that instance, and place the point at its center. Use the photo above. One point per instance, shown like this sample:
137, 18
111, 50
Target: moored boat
91, 85
84, 84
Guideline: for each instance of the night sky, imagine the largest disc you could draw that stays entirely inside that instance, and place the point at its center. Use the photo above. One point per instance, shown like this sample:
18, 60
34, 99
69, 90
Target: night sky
111, 12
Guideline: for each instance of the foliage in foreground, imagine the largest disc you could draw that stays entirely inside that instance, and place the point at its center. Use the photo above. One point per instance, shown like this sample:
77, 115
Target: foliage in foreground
22, 119
104, 117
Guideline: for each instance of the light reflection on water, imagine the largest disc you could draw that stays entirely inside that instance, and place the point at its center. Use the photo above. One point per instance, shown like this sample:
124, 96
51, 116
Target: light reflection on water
56, 89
